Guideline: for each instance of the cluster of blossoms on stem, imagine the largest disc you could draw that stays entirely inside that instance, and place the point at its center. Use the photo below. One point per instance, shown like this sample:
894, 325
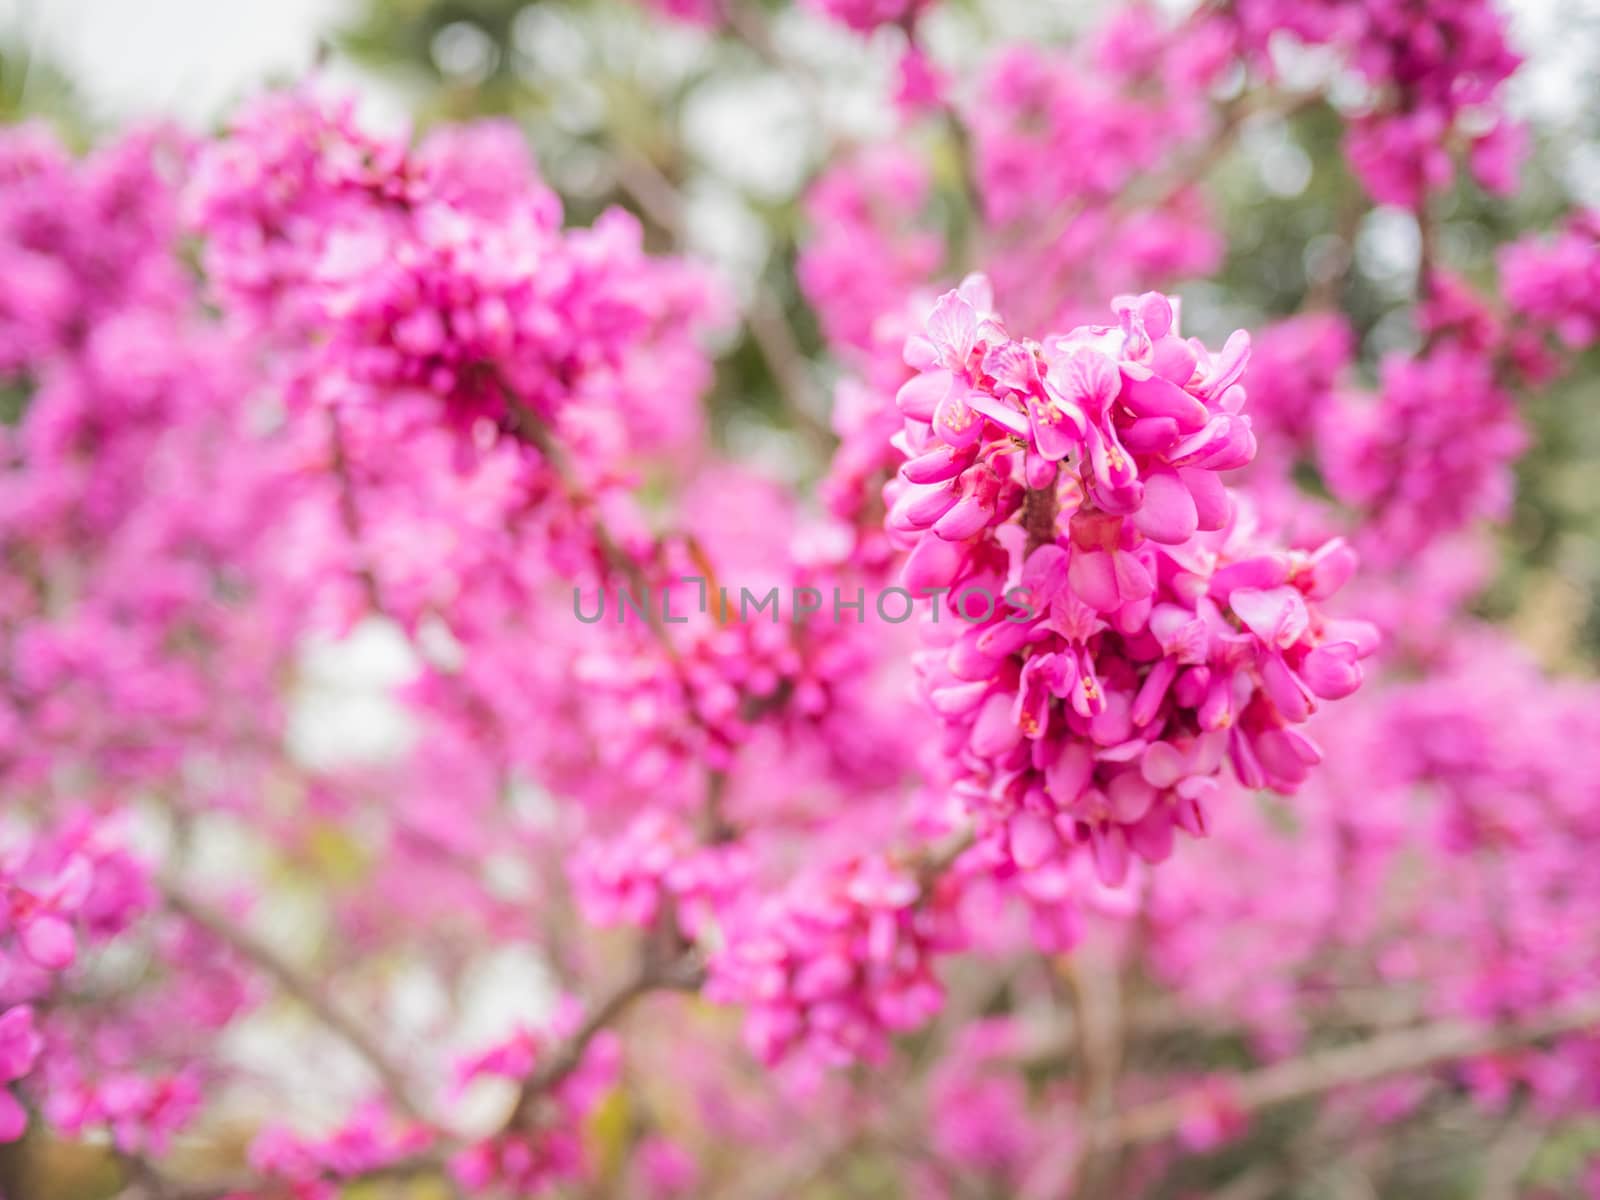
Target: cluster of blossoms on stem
1497, 922
1155, 635
864, 259
1555, 282
841, 961
1433, 452
314, 1168
65, 891
1059, 138
443, 272
658, 861
546, 1147
1434, 72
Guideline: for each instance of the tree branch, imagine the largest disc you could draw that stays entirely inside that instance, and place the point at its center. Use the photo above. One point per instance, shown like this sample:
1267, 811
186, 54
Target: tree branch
295, 984
686, 973
1380, 1057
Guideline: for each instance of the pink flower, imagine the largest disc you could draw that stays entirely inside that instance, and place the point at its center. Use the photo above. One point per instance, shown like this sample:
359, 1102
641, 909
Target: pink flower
20, 1047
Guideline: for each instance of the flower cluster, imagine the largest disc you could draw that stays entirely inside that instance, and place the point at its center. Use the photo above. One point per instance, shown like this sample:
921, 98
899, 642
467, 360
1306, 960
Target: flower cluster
540, 1149
1555, 282
1431, 69
63, 892
371, 1141
1058, 138
864, 261
1433, 452
1154, 634
655, 862
442, 271
836, 965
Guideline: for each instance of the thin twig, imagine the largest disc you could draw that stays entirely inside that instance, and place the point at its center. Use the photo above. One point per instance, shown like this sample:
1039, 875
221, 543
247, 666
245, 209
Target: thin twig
1377, 1058
685, 974
350, 514
294, 983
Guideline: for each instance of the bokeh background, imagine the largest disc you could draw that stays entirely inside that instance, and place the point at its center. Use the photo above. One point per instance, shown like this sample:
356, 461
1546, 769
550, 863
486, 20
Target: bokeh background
717, 149
601, 86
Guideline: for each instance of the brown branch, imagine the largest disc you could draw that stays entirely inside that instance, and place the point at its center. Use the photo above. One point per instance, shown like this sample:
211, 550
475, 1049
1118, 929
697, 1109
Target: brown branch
149, 1183
686, 973
295, 984
1377, 1058
350, 514
526, 425
1039, 509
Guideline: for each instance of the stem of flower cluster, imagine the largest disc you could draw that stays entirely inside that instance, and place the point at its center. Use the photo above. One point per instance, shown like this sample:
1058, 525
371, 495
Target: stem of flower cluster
1039, 510
290, 979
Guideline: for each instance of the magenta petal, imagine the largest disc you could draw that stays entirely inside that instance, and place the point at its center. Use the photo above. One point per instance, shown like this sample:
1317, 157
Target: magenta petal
920, 505
1331, 567
1153, 691
20, 1043
1033, 839
1055, 434
1168, 514
1032, 711
1110, 848
1092, 578
48, 941
13, 1117
1116, 485
1363, 635
1134, 581
953, 327
1277, 616
1280, 759
1174, 359
1228, 366
1213, 506
955, 421
933, 563
1038, 470
1005, 637
1045, 574
1162, 765
1151, 838
1067, 777
1191, 802
995, 732
1013, 366
964, 520
1130, 796
1150, 435
1091, 379
1001, 413
1332, 670
1155, 314
1158, 397
1263, 571
937, 465
919, 398
1284, 689
958, 699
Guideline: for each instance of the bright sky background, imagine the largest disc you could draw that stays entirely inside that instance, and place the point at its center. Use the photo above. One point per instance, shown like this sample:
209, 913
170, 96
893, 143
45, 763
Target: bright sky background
190, 58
